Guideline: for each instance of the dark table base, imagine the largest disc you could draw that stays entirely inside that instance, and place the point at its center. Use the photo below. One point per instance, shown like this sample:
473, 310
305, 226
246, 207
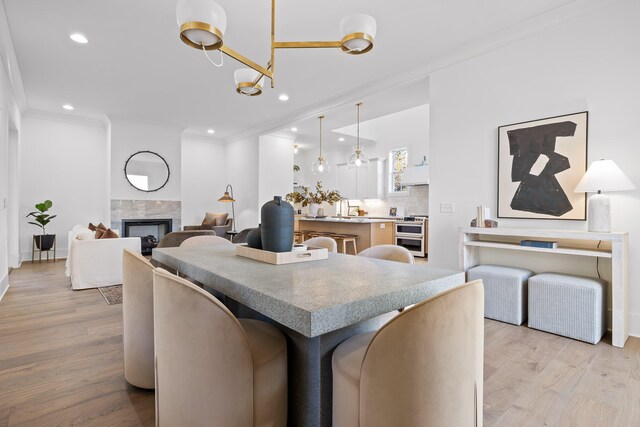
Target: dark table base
309, 365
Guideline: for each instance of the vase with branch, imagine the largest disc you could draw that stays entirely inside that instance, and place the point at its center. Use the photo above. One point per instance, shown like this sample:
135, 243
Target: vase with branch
314, 199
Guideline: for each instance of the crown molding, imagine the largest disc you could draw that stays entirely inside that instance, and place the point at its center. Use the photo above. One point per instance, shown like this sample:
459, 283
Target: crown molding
508, 36
283, 135
69, 118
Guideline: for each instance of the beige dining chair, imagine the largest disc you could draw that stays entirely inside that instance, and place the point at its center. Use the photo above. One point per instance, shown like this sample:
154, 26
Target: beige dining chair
424, 368
137, 319
211, 368
198, 241
322, 242
390, 253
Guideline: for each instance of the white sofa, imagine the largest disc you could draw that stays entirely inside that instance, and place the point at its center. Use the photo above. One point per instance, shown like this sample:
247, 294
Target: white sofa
93, 263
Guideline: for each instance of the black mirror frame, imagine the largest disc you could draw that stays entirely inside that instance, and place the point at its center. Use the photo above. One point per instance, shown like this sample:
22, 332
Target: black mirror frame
150, 152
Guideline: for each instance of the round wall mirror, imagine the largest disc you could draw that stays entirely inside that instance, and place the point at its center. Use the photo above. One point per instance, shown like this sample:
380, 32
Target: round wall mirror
147, 171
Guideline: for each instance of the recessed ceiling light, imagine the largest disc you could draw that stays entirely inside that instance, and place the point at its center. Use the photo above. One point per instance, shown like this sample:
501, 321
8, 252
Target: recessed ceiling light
283, 97
211, 131
68, 107
341, 139
294, 129
79, 38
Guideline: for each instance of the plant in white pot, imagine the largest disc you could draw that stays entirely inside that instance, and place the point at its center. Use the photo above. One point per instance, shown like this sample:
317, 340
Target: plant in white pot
45, 241
314, 199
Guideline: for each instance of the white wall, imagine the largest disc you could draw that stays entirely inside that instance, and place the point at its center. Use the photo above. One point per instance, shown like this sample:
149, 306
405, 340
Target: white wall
13, 200
128, 138
64, 160
275, 168
204, 177
242, 174
589, 63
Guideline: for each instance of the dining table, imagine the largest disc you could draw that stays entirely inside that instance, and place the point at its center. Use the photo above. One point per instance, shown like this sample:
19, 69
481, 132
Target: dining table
316, 304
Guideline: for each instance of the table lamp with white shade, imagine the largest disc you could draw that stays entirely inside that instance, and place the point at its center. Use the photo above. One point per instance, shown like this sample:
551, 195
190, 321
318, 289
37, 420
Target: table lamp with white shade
602, 175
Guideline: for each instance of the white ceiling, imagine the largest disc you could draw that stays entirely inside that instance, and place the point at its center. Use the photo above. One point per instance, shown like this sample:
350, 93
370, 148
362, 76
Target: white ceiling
135, 67
340, 121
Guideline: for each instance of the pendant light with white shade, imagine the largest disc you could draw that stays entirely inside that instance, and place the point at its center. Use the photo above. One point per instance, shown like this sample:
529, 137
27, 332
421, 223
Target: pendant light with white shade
203, 24
320, 166
358, 159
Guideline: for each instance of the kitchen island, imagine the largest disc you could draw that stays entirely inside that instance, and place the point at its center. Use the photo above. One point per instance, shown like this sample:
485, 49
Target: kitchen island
370, 232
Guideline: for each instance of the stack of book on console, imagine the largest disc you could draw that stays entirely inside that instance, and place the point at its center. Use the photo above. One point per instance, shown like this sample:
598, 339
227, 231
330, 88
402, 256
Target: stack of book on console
539, 244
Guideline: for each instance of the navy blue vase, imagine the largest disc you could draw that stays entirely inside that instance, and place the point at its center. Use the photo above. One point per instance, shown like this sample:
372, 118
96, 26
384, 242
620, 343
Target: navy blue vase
277, 225
254, 238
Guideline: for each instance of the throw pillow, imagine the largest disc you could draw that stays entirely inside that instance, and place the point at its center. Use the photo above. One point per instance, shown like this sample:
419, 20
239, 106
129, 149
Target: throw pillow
99, 233
110, 234
100, 226
212, 218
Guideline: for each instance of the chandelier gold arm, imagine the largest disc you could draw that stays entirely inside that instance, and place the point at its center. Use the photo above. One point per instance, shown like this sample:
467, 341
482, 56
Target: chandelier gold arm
246, 61
302, 45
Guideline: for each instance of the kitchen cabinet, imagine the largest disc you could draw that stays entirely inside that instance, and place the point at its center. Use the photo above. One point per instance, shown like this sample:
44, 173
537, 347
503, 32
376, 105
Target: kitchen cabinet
363, 183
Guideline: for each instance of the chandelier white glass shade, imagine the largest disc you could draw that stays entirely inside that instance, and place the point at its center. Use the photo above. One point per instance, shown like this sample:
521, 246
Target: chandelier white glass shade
203, 24
358, 159
320, 166
248, 82
602, 175
357, 31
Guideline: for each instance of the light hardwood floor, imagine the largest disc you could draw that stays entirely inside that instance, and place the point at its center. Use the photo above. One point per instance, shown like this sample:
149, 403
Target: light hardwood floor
61, 365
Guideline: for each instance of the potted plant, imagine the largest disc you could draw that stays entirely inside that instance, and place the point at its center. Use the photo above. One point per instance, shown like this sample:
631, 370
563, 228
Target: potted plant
45, 241
314, 199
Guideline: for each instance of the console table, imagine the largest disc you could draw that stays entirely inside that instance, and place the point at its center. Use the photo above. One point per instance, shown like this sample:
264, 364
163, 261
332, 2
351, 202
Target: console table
577, 243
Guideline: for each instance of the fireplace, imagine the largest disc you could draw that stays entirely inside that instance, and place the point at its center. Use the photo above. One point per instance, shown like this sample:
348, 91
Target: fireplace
150, 231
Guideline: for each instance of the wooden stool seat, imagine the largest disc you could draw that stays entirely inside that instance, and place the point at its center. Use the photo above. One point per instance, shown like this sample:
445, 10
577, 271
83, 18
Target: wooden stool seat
344, 239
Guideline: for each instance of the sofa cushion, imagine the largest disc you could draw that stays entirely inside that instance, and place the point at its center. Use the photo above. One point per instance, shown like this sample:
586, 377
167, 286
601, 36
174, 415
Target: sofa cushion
85, 235
212, 218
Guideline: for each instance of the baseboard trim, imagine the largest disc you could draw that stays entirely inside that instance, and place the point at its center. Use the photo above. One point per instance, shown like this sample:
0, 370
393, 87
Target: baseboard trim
4, 285
60, 254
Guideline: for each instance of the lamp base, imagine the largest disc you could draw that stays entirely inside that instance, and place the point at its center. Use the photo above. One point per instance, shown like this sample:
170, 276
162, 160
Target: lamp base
599, 219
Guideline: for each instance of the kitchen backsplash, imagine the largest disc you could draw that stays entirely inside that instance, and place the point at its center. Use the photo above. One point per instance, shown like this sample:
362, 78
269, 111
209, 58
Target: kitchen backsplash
416, 202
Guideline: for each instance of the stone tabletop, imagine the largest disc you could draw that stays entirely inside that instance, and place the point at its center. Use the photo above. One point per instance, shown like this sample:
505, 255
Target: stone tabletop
316, 297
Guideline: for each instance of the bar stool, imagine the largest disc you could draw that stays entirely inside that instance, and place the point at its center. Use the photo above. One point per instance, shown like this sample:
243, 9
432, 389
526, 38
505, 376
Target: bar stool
304, 234
344, 239
311, 234
298, 236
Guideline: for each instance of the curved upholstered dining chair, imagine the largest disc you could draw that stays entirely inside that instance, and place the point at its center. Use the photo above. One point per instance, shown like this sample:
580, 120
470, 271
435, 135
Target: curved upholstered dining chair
439, 382
199, 241
322, 242
137, 319
211, 368
390, 253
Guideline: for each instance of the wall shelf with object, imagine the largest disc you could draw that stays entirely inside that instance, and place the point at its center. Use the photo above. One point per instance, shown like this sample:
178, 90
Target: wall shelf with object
613, 246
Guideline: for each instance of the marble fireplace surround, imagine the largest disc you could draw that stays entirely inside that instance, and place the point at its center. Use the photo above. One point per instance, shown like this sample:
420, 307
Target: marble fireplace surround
145, 209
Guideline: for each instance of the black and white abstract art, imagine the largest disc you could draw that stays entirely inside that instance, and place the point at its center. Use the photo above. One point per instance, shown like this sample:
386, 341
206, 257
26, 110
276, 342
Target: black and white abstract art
539, 165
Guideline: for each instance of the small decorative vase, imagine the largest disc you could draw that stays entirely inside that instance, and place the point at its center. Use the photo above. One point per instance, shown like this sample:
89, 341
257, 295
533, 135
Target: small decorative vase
254, 238
277, 225
313, 209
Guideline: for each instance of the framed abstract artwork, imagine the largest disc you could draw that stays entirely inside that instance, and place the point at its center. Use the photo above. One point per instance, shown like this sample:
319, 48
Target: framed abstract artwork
539, 165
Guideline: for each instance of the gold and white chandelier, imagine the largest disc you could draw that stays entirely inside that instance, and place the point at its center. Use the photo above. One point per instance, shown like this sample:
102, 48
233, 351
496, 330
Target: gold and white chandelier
203, 24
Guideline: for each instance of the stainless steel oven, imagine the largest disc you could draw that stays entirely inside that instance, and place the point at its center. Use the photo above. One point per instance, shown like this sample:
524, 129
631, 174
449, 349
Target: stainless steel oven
410, 234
